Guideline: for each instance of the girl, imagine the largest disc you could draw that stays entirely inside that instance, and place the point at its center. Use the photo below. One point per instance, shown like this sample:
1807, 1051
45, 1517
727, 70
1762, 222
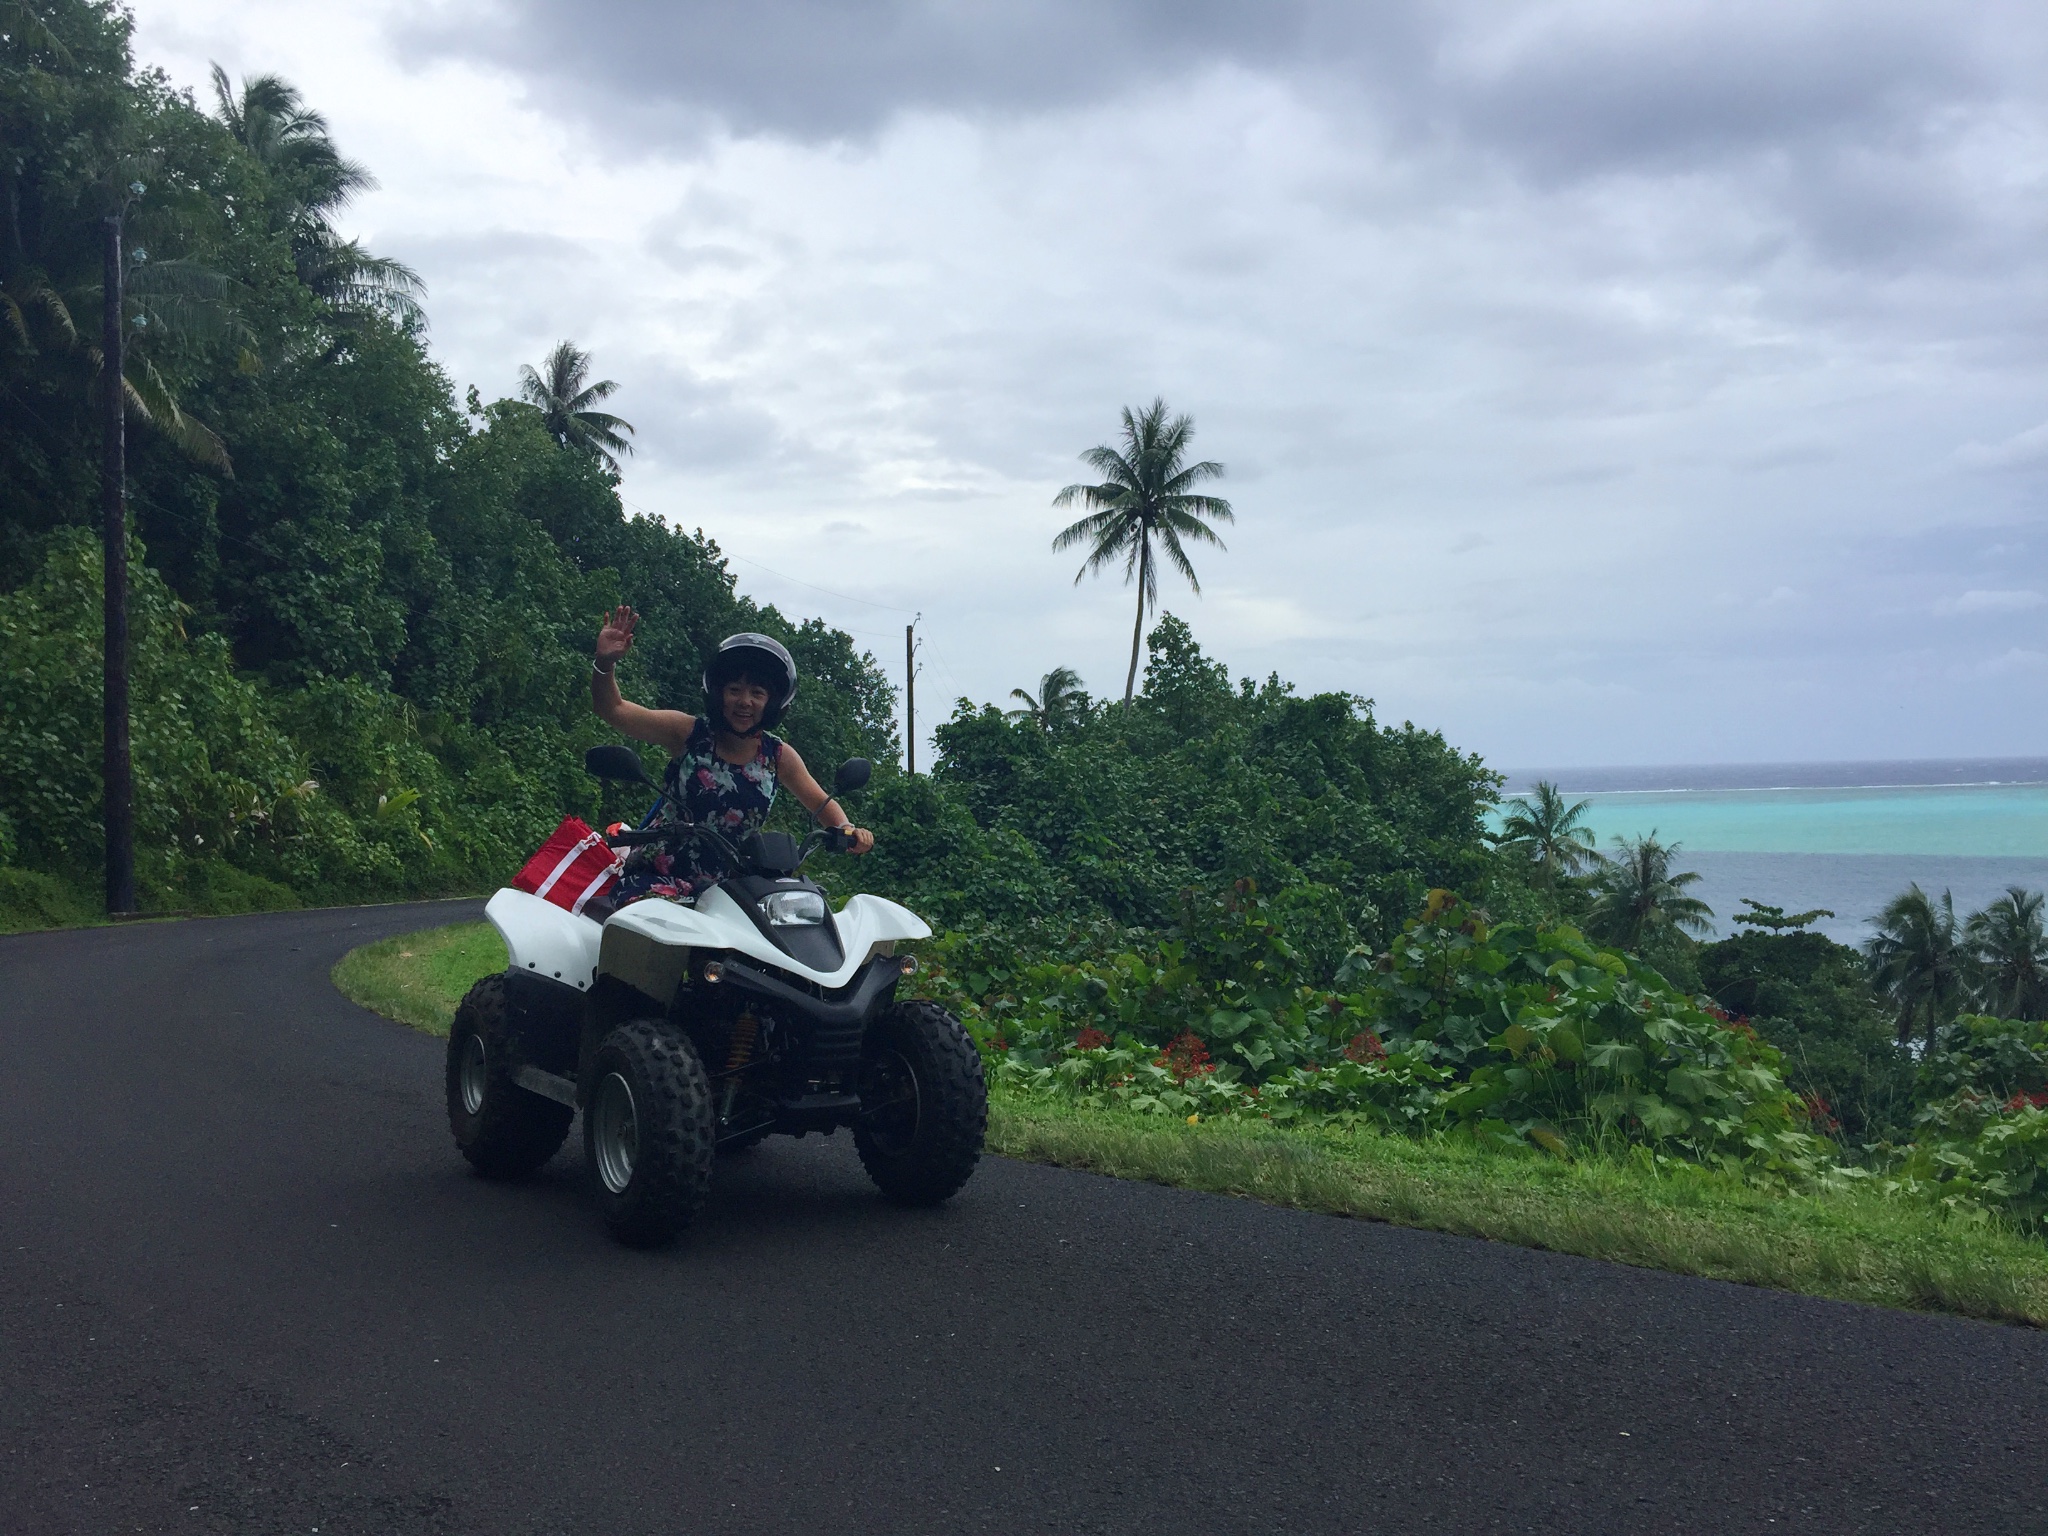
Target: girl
724, 765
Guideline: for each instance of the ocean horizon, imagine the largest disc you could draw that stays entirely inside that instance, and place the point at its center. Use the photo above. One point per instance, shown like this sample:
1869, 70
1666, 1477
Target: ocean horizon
1903, 773
1844, 836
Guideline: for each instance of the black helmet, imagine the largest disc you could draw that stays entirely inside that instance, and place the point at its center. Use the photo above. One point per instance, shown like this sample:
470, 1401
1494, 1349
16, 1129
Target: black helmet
757, 657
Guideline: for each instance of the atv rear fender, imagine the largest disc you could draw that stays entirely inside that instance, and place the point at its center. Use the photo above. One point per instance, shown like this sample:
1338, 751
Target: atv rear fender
546, 940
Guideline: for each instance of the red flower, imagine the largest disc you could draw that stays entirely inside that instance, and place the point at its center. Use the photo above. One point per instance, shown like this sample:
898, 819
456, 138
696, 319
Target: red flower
1090, 1039
1185, 1056
1365, 1048
1818, 1114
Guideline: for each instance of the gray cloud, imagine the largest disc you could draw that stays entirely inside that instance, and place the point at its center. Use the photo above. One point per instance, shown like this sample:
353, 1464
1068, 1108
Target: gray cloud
826, 69
1599, 380
1566, 90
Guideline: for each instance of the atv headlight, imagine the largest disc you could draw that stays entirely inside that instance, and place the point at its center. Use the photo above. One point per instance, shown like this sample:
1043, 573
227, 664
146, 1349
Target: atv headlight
793, 909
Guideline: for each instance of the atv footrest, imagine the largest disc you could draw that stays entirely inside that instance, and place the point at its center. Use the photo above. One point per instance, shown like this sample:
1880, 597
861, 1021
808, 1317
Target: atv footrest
548, 1085
818, 1111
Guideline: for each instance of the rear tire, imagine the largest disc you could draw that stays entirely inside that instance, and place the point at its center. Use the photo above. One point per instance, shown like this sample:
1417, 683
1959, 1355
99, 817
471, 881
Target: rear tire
648, 1132
504, 1131
924, 1104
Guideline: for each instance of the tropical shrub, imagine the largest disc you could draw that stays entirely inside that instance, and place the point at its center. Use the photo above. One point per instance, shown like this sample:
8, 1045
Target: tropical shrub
214, 777
1980, 1146
1983, 1058
1515, 1035
1551, 1037
1980, 1158
1811, 998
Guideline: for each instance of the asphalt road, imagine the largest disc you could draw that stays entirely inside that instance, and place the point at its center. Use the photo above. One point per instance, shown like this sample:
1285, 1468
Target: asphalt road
248, 1286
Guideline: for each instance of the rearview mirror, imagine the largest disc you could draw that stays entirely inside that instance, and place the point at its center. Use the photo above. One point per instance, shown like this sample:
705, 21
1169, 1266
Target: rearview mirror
616, 762
852, 774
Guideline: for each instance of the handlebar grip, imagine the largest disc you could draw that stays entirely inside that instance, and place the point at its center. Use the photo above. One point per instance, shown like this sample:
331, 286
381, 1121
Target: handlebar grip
635, 837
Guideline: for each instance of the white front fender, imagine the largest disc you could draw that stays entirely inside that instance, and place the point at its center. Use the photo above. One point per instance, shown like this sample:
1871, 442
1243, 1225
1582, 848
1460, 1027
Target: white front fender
544, 939
716, 922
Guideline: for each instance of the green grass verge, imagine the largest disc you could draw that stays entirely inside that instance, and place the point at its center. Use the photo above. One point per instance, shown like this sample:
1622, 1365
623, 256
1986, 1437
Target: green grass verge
33, 900
1854, 1246
418, 978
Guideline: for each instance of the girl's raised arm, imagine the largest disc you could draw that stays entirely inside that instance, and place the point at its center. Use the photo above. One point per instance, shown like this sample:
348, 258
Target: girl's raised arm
666, 728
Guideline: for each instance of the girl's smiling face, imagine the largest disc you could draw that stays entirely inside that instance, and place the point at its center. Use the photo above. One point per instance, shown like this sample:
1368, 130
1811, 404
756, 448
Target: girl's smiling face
746, 703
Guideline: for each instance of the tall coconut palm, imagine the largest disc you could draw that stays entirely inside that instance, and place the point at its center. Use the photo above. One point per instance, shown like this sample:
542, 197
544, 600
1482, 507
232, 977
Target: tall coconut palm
312, 181
2009, 954
557, 390
1637, 897
269, 118
1552, 833
1144, 497
1060, 700
1916, 959
165, 302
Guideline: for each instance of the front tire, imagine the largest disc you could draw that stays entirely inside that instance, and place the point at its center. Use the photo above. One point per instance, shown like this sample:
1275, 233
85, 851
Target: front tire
924, 1104
504, 1131
648, 1132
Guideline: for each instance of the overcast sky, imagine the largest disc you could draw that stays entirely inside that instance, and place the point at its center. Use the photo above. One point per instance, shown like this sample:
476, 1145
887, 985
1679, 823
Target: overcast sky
1598, 382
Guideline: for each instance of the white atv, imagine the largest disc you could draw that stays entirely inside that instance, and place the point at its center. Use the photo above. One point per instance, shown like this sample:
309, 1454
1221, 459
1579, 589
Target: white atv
684, 1029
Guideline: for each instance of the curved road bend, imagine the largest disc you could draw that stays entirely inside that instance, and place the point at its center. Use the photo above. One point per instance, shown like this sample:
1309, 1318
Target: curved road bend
247, 1286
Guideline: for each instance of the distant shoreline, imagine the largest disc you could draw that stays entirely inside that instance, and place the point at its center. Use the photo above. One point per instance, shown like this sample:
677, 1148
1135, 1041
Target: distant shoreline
1853, 886
1860, 774
1770, 789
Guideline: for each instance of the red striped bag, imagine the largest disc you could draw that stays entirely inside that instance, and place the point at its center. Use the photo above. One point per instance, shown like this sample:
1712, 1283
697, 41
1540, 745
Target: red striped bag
573, 865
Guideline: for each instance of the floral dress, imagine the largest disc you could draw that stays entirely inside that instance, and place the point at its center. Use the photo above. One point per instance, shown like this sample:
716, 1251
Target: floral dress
702, 786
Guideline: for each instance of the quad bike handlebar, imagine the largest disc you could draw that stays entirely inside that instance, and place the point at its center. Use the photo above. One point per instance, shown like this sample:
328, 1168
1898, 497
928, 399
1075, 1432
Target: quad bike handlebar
620, 763
675, 832
831, 839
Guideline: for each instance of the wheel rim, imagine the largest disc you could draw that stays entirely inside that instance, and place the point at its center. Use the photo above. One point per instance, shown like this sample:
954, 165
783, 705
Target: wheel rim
891, 1100
475, 1075
615, 1133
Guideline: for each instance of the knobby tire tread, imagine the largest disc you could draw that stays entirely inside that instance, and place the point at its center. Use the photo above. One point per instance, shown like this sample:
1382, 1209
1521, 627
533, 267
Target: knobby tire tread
678, 1130
953, 1113
515, 1132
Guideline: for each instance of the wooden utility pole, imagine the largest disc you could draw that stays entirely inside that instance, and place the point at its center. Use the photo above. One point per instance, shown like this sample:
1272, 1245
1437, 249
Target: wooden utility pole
910, 697
118, 802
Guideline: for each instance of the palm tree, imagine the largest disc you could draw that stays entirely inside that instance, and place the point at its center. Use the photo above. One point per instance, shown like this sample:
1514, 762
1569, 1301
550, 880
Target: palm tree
1916, 959
1637, 897
1060, 699
269, 118
163, 301
1144, 496
2009, 952
558, 392
313, 179
1550, 832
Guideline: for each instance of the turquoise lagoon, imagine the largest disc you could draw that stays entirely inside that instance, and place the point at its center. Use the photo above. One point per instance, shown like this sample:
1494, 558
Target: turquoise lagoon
1842, 836
1983, 821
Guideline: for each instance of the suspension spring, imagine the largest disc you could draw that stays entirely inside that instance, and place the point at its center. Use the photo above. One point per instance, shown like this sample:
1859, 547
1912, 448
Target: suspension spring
742, 1042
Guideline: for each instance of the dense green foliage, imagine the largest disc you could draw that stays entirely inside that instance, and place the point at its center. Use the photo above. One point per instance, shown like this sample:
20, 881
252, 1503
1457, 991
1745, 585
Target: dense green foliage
1112, 813
1811, 998
1982, 1142
362, 631
1515, 1035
